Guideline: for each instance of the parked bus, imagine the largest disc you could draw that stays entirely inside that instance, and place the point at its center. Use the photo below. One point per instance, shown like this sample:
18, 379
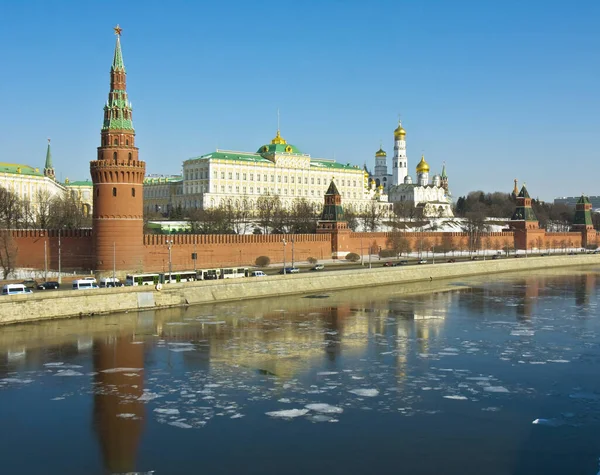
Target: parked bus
209, 274
142, 279
233, 272
173, 277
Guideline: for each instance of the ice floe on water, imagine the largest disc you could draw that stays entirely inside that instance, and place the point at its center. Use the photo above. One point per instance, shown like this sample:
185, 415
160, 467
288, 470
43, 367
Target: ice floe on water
456, 397
121, 370
496, 389
167, 411
288, 413
67, 372
324, 408
365, 392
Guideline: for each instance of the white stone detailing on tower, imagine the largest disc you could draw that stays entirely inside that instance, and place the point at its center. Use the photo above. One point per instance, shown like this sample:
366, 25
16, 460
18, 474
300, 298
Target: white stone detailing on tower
400, 162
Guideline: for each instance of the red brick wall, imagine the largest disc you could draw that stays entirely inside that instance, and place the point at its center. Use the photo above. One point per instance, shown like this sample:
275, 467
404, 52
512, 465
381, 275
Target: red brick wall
76, 248
230, 249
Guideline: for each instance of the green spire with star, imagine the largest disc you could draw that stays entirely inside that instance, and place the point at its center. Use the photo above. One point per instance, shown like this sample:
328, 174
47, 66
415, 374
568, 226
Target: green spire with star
117, 64
48, 168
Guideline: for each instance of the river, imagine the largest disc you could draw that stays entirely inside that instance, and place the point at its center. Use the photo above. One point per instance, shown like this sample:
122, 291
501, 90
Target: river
491, 375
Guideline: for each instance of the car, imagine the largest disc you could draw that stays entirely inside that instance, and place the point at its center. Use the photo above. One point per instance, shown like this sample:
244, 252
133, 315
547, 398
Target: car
474, 258
403, 262
451, 260
422, 261
257, 273
496, 256
289, 270
388, 264
318, 267
518, 255
30, 283
50, 285
543, 254
14, 289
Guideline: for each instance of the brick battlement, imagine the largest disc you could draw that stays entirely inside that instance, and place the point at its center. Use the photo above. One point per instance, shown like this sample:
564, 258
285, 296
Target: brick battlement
51, 233
161, 239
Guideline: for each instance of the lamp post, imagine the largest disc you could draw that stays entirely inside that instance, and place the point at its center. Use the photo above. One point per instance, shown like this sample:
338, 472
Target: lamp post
170, 244
362, 257
433, 253
114, 282
292, 252
45, 261
284, 244
59, 257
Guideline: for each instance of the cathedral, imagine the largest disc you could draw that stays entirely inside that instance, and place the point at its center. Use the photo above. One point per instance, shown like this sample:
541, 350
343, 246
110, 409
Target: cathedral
432, 199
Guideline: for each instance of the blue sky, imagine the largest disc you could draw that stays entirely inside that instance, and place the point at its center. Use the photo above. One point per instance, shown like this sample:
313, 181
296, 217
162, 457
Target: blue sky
496, 89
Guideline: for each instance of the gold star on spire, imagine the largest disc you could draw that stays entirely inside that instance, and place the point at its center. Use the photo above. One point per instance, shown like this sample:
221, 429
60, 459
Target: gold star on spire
118, 30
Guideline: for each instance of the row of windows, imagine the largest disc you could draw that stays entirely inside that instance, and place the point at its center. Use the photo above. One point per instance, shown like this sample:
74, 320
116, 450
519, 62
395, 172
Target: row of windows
114, 191
272, 191
292, 179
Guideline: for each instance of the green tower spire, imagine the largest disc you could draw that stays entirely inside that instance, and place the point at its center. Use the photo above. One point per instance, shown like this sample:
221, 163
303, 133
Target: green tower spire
118, 110
48, 168
48, 157
117, 64
444, 171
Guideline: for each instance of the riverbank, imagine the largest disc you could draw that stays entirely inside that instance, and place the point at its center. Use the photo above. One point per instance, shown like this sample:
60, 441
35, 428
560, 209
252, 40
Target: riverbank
52, 305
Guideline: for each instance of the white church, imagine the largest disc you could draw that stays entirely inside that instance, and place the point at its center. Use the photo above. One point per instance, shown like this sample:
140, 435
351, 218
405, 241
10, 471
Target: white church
431, 198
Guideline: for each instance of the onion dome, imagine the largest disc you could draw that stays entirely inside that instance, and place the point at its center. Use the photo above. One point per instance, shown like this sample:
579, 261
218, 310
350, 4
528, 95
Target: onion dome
423, 166
380, 153
399, 133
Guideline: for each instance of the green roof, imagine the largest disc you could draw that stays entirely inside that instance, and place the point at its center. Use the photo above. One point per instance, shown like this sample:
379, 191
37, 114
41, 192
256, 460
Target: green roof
524, 193
163, 179
583, 216
279, 148
79, 183
19, 169
258, 158
117, 63
48, 164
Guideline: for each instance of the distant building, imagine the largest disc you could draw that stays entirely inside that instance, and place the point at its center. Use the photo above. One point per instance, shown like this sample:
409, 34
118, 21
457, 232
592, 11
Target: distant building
573, 200
31, 184
161, 193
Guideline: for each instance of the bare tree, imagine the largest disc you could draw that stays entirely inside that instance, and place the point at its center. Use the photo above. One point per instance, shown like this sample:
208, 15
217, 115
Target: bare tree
371, 218
351, 219
11, 209
8, 253
267, 206
302, 217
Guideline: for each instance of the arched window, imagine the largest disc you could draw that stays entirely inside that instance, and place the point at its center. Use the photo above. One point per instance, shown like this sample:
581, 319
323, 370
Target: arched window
133, 192
127, 143
114, 191
115, 156
129, 155
116, 142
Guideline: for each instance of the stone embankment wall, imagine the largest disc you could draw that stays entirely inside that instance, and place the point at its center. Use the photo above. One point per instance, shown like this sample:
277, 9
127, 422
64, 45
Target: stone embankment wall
42, 306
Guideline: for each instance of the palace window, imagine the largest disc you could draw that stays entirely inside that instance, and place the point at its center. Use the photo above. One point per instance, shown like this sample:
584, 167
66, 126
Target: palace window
306, 180
222, 188
251, 176
230, 175
272, 178
251, 190
222, 175
244, 176
237, 189
312, 181
230, 189
278, 178
293, 180
244, 190
215, 174
265, 176
318, 181
237, 176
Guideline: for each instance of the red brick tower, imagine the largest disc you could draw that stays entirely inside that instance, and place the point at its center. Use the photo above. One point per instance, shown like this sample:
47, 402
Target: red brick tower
118, 178
333, 222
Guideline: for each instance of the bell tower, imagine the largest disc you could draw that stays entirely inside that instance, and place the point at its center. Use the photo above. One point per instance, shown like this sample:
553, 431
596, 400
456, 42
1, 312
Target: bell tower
118, 177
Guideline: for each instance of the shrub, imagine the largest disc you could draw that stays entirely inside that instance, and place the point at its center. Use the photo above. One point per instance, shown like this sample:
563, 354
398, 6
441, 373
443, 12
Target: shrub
352, 257
262, 261
387, 253
311, 260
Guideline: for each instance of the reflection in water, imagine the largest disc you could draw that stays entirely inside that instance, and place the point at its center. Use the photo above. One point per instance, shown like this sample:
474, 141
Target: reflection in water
491, 346
118, 414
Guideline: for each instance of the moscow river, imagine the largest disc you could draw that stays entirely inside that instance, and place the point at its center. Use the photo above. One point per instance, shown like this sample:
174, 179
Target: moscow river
493, 375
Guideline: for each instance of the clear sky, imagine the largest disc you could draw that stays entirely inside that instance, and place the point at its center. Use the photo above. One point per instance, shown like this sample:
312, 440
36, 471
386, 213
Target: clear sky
496, 89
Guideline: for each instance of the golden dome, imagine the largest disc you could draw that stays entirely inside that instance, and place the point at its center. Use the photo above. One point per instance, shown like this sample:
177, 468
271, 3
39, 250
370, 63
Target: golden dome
380, 153
399, 133
278, 139
423, 166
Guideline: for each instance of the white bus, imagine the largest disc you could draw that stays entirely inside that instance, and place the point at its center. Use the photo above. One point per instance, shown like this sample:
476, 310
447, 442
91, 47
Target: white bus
233, 272
209, 274
187, 276
142, 279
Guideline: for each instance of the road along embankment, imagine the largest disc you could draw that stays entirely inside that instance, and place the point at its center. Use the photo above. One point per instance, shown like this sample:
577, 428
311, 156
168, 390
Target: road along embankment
74, 303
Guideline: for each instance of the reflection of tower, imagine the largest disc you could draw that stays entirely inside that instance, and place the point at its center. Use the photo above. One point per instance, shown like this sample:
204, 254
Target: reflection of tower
118, 436
118, 176
532, 291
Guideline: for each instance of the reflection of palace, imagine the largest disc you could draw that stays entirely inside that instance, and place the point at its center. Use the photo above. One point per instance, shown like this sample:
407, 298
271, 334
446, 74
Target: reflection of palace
118, 415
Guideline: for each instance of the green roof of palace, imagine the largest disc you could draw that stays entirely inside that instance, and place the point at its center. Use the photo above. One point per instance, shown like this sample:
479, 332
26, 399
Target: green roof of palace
19, 169
258, 158
79, 183
278, 148
163, 179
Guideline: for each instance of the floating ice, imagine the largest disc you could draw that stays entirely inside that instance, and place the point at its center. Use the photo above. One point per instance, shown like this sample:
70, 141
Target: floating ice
181, 425
167, 412
558, 361
68, 372
496, 389
126, 415
458, 398
327, 373
284, 400
365, 392
121, 370
17, 380
522, 333
288, 413
58, 363
237, 416
324, 408
148, 396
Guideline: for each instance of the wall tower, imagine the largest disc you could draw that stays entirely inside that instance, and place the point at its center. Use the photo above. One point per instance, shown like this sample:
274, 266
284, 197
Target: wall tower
380, 162
400, 162
48, 168
118, 177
